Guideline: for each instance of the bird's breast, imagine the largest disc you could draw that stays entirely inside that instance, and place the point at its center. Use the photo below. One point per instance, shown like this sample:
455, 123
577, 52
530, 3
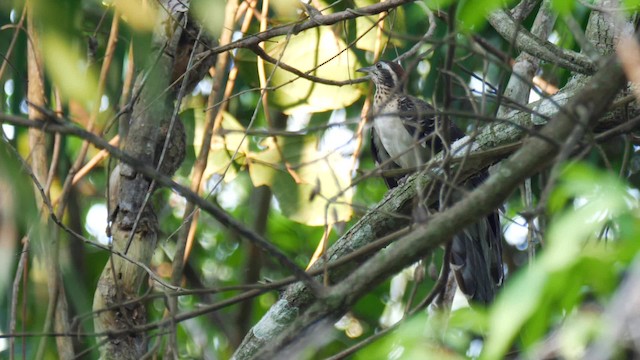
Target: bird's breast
396, 139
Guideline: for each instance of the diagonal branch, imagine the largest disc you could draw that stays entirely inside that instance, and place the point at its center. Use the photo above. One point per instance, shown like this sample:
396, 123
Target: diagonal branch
588, 105
586, 108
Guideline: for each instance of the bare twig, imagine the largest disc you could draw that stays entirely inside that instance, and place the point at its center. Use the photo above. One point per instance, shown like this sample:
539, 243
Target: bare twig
540, 48
329, 19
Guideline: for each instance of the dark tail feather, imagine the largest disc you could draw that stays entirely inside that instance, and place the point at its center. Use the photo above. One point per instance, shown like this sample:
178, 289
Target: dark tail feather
476, 259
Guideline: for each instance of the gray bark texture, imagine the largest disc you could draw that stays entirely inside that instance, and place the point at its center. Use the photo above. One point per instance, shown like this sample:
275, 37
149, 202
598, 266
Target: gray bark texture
135, 226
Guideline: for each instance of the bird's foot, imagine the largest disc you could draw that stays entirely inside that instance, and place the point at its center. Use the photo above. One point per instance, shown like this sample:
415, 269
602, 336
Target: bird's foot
403, 179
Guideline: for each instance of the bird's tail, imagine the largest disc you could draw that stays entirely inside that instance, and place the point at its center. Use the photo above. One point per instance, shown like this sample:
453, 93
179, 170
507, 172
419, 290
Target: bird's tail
476, 259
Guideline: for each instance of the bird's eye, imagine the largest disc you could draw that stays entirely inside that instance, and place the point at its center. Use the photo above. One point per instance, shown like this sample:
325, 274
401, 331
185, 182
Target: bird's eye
378, 66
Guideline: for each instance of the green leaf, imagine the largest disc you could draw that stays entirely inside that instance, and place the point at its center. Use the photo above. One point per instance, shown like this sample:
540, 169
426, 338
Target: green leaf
571, 260
210, 14
138, 15
420, 337
437, 4
188, 120
472, 13
311, 187
518, 301
578, 331
366, 28
600, 196
68, 69
18, 211
313, 48
563, 7
631, 5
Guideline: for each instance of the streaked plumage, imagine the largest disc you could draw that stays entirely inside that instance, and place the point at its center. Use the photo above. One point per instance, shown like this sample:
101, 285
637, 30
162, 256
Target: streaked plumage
402, 137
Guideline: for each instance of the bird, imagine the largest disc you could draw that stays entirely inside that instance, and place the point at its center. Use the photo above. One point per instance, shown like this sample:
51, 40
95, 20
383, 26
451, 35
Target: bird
403, 136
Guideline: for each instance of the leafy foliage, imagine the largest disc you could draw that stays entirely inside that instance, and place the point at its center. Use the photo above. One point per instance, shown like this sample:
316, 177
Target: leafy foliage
288, 159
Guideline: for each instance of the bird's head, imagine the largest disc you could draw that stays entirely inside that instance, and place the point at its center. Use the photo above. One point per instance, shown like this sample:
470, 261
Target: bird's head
384, 74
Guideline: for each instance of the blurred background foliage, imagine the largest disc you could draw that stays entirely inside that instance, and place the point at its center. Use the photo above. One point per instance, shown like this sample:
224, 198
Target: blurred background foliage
591, 220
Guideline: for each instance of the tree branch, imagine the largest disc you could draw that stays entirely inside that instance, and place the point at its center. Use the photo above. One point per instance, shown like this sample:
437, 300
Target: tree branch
317, 20
303, 74
583, 110
296, 299
540, 48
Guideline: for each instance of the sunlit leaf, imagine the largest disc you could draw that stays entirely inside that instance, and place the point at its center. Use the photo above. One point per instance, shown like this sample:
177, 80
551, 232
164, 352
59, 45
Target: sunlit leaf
68, 69
472, 14
603, 197
226, 148
137, 13
310, 49
563, 7
437, 4
286, 10
577, 332
367, 31
320, 192
515, 305
210, 14
570, 260
416, 338
631, 5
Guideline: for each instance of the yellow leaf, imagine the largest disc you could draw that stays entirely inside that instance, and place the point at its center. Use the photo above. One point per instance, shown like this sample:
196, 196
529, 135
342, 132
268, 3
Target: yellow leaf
312, 48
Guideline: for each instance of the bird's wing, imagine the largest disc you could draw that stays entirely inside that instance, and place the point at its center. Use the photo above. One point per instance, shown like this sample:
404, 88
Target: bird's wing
476, 252
418, 115
381, 156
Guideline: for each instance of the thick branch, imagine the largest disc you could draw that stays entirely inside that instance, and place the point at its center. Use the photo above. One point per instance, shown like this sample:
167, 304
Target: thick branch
378, 223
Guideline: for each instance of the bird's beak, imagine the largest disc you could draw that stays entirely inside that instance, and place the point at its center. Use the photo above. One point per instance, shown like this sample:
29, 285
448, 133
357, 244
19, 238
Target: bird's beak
365, 70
